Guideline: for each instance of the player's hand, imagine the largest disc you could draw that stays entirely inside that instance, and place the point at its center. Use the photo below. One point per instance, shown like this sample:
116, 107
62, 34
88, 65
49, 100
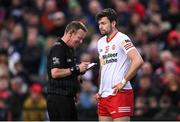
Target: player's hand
97, 96
83, 66
117, 88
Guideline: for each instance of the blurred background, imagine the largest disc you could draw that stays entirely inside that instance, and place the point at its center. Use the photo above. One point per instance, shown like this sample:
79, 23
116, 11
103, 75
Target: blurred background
28, 29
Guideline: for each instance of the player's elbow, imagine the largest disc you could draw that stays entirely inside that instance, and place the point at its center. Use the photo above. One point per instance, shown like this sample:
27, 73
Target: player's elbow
54, 76
140, 62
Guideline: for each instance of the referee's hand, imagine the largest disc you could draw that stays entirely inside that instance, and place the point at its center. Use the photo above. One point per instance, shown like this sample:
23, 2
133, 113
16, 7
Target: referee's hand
83, 66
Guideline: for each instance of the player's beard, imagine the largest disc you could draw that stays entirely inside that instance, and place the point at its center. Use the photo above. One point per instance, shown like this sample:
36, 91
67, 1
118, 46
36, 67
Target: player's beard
104, 32
107, 32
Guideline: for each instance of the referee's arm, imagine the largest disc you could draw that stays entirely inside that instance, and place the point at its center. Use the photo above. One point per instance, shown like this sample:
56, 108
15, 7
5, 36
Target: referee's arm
59, 73
57, 61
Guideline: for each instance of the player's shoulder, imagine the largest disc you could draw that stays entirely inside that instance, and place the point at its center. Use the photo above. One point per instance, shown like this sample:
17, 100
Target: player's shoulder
122, 36
101, 40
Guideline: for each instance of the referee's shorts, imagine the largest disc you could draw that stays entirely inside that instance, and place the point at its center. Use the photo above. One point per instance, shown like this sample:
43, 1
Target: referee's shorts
61, 108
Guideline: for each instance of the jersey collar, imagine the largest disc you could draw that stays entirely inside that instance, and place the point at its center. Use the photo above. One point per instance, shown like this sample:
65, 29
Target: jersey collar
109, 39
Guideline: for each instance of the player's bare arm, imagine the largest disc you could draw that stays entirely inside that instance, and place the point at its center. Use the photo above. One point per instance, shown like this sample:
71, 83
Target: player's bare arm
136, 62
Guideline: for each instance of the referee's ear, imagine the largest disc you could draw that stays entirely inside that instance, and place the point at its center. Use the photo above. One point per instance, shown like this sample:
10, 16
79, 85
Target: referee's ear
71, 31
69, 34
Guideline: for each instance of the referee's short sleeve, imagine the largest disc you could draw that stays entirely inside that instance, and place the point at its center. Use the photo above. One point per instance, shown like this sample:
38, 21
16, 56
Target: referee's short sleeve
57, 58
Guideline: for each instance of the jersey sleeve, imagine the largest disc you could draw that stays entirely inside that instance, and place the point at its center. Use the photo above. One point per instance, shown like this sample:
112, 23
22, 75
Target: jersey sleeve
126, 44
98, 47
57, 57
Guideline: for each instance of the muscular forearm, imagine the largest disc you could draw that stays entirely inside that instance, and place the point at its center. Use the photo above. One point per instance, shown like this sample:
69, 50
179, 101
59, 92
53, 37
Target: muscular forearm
132, 70
77, 70
59, 73
136, 62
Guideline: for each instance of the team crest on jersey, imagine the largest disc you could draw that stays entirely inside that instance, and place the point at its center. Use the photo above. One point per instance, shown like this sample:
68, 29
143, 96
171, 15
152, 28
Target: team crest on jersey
106, 49
113, 47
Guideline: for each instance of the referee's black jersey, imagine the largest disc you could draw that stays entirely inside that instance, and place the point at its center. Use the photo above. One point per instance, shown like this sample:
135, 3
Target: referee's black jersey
62, 56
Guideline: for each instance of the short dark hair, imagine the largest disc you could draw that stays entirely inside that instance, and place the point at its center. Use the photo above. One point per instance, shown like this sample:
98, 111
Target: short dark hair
109, 13
74, 26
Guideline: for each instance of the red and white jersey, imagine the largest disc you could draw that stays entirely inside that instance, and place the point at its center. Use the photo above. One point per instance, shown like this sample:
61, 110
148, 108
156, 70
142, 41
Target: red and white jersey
114, 62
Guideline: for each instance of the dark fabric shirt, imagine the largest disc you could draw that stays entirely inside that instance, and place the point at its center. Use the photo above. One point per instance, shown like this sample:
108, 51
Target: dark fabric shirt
62, 56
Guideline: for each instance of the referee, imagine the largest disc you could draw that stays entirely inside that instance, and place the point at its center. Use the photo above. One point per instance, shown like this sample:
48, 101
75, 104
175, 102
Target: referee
63, 73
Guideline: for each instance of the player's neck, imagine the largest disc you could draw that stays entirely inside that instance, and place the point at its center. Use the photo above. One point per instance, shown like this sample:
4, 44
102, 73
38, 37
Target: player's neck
114, 31
111, 35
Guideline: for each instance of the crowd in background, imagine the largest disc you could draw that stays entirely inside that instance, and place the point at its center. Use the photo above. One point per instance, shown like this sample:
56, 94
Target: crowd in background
28, 29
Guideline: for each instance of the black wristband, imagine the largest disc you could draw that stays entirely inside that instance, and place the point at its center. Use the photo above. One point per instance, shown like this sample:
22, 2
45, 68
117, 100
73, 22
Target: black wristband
75, 70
